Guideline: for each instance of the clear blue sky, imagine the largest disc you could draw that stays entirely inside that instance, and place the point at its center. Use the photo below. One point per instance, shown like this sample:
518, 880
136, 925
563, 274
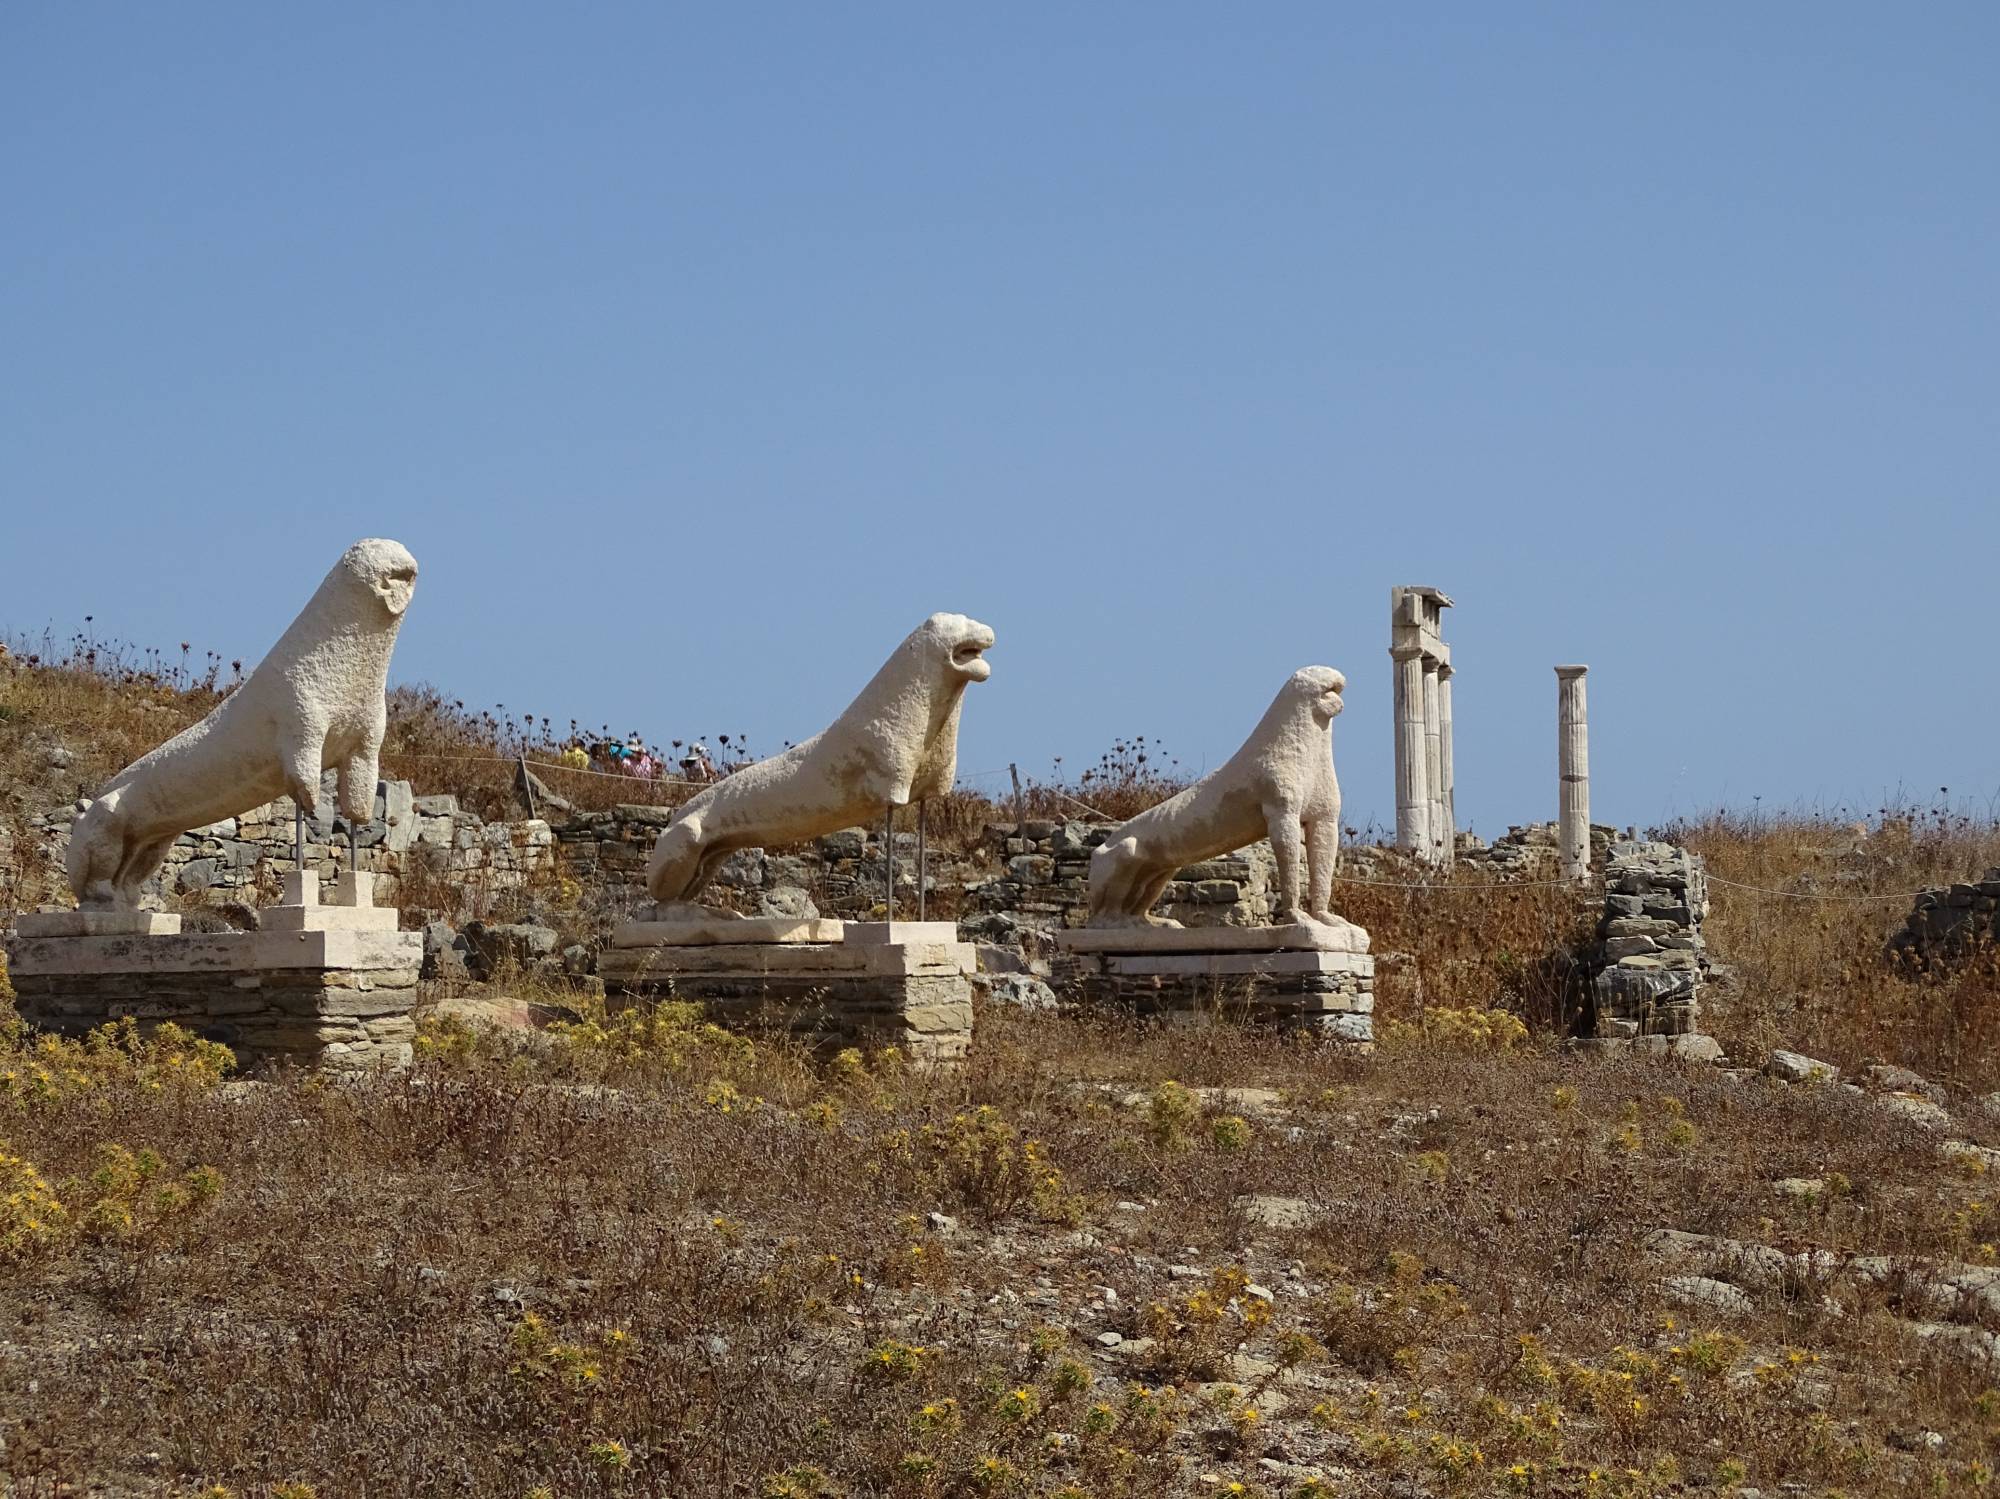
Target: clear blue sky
699, 352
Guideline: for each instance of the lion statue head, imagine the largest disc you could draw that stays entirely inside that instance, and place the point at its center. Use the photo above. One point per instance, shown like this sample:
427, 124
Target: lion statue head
384, 568
960, 643
1319, 687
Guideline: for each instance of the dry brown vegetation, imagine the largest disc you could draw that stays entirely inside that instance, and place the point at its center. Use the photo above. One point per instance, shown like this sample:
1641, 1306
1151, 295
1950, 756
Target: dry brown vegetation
1809, 962
645, 1259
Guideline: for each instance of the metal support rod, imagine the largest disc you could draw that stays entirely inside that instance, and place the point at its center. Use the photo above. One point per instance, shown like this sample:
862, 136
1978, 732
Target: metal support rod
920, 858
353, 850
299, 837
889, 862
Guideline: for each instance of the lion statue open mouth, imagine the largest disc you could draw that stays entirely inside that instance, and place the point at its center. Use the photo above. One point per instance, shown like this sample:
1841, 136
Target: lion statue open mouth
896, 743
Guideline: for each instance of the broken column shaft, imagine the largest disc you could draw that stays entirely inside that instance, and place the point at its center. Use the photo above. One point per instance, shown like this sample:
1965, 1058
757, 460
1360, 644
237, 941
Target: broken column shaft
1573, 766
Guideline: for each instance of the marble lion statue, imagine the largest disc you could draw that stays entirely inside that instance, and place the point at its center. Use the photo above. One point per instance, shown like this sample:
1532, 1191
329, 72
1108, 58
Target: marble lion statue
1280, 784
896, 743
315, 700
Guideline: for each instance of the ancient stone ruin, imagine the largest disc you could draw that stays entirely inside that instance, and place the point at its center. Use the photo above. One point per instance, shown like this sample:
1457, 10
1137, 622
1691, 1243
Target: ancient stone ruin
1426, 822
1951, 923
1654, 959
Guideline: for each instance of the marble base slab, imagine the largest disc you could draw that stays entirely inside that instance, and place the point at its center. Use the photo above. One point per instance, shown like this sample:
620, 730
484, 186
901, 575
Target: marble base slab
97, 924
327, 919
713, 931
350, 907
214, 952
1300, 937
900, 933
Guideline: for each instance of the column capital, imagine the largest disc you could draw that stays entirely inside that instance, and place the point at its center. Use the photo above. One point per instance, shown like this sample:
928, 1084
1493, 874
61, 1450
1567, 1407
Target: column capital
1571, 673
1406, 652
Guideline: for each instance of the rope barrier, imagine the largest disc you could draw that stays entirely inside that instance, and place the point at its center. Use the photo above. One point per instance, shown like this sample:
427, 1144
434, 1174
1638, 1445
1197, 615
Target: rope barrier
1716, 879
541, 765
1103, 816
1342, 879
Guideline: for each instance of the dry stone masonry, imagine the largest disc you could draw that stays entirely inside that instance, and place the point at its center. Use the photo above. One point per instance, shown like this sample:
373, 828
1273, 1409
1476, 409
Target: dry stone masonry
1653, 957
331, 986
408, 838
1951, 923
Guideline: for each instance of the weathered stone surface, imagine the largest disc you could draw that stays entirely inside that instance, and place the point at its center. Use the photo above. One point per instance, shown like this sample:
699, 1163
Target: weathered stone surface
694, 930
493, 947
1707, 1295
1652, 959
97, 924
917, 997
1338, 936
1023, 991
445, 952
340, 1000
1329, 993
1795, 1067
1914, 1109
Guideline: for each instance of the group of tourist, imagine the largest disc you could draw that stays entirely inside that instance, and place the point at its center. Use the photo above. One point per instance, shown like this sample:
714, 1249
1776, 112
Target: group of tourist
632, 757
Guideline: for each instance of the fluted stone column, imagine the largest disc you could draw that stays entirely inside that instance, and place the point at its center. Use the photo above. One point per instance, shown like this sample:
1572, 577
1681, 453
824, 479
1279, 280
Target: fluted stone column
1445, 802
1573, 764
1413, 796
1433, 763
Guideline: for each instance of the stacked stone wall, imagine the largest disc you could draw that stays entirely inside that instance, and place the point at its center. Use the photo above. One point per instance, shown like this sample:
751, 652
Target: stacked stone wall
1951, 923
416, 845
1653, 958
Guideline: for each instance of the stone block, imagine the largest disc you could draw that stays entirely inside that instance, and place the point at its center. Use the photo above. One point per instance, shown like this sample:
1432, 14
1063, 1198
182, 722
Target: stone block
327, 919
914, 996
328, 999
1179, 965
884, 933
97, 923
696, 931
1165, 939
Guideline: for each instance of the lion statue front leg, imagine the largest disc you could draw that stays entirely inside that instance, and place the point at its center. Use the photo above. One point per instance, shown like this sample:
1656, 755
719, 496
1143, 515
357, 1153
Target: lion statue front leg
1288, 847
1322, 859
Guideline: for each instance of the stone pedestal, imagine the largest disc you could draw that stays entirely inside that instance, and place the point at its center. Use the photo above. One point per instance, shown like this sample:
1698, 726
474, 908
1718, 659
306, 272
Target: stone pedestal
906, 984
1296, 977
326, 986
